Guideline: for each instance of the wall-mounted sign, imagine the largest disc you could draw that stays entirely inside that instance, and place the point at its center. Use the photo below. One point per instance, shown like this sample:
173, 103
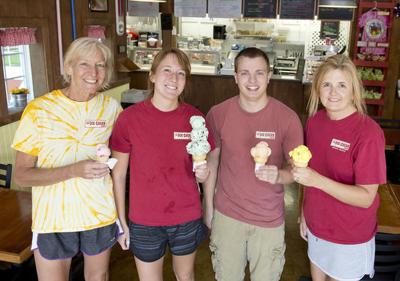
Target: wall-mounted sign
98, 5
190, 8
297, 9
329, 29
224, 8
335, 13
143, 9
259, 9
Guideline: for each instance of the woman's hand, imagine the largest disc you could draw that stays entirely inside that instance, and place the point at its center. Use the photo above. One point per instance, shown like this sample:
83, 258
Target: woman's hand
201, 172
306, 176
123, 239
90, 169
303, 228
268, 173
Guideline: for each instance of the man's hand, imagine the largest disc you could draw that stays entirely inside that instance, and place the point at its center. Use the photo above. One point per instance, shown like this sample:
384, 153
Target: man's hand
268, 173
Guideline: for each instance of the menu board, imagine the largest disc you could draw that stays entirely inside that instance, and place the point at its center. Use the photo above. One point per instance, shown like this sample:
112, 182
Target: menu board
297, 9
143, 9
337, 3
224, 8
190, 8
325, 13
259, 9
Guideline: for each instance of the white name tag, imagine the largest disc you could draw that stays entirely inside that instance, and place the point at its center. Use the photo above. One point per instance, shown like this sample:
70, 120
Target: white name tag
95, 123
181, 136
265, 135
340, 145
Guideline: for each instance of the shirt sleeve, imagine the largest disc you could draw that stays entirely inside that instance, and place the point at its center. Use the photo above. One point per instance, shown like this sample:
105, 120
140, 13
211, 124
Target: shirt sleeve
120, 140
210, 120
27, 138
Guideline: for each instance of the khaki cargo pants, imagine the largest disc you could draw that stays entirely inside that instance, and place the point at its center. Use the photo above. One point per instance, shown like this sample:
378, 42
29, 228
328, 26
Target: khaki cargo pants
234, 243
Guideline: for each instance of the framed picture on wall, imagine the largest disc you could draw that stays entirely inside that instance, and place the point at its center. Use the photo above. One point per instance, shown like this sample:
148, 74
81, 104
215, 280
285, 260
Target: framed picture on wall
329, 29
98, 5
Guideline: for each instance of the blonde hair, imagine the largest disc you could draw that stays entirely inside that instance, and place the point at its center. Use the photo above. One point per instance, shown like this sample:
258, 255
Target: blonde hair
84, 47
343, 63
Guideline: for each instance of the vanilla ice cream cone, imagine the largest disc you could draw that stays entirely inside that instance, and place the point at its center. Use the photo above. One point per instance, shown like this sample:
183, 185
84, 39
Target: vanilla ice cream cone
260, 153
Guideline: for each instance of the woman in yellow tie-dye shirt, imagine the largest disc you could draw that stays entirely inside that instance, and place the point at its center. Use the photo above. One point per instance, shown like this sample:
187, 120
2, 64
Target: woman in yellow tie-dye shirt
73, 206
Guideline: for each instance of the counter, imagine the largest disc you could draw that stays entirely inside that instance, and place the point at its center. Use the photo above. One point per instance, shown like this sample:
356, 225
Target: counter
206, 90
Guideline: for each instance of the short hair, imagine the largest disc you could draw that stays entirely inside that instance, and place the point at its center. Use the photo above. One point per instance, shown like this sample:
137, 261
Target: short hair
252, 52
84, 47
343, 63
183, 61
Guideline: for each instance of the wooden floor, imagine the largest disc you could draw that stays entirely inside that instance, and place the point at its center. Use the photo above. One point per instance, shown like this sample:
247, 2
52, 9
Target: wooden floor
122, 266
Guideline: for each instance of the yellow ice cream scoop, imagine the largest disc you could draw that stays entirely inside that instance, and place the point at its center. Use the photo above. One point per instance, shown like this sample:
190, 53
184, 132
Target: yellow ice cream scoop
300, 156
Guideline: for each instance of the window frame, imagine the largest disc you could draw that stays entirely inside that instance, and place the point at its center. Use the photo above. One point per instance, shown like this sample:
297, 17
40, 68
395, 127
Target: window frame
42, 76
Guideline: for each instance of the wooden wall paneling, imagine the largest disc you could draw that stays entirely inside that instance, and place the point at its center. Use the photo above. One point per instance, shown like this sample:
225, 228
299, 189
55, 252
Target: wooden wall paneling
138, 80
3, 98
288, 92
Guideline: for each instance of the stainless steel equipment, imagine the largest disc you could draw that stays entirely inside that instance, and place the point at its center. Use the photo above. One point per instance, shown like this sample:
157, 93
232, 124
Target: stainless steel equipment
286, 66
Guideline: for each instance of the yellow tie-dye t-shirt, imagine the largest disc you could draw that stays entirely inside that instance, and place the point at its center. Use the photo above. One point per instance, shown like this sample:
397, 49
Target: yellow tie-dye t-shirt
59, 132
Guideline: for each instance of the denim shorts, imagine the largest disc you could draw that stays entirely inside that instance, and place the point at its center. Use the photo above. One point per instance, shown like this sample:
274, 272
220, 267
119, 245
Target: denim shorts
148, 243
65, 245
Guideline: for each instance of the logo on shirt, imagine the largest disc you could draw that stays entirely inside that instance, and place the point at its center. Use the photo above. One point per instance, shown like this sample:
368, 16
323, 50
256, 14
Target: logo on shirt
181, 136
95, 123
265, 135
340, 145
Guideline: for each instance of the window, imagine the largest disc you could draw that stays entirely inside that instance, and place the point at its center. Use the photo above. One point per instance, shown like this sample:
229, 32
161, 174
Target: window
17, 70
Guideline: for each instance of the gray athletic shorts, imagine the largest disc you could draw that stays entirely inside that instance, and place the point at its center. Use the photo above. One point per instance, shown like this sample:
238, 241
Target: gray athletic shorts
65, 245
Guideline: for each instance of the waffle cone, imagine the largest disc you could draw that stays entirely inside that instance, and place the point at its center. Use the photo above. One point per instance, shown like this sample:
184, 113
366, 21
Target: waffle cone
199, 158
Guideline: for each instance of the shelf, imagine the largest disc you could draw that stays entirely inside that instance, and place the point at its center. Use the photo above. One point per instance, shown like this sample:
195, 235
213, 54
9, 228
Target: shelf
373, 4
375, 83
368, 63
375, 101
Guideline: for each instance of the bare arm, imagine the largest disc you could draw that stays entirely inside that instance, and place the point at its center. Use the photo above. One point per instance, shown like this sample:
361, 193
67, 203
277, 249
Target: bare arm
119, 183
209, 185
355, 195
27, 174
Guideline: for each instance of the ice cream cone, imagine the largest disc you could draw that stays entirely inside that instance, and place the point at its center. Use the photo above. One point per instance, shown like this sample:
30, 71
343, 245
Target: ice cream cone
260, 153
301, 155
102, 159
199, 158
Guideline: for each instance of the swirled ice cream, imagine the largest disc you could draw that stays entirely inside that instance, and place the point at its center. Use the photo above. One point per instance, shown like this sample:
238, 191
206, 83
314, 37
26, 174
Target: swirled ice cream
198, 147
102, 153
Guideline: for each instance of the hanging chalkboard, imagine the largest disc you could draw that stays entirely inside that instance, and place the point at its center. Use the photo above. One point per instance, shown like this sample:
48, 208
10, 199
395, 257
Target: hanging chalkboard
297, 9
337, 3
259, 9
335, 13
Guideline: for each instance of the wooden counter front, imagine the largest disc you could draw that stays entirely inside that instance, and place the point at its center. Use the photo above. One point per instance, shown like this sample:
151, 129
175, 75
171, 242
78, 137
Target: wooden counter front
389, 209
203, 91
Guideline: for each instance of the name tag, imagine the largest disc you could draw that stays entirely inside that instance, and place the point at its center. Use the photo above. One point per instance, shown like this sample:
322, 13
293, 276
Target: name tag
340, 145
181, 136
95, 123
265, 135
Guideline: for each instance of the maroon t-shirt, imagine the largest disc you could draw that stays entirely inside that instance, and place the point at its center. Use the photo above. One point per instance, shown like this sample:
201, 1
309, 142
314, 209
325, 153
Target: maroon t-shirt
163, 188
350, 151
239, 194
